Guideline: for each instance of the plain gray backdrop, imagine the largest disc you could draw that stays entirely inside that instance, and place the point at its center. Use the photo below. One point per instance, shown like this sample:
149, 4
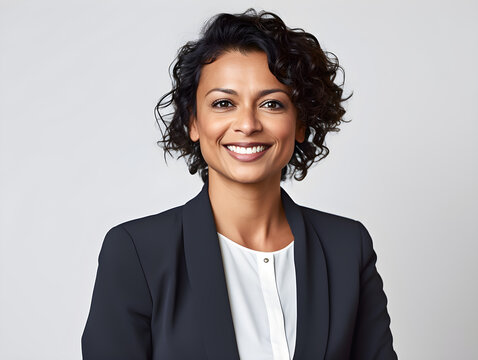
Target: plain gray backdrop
78, 154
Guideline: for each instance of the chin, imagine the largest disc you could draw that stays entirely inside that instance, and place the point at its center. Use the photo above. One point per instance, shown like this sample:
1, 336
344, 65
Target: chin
251, 178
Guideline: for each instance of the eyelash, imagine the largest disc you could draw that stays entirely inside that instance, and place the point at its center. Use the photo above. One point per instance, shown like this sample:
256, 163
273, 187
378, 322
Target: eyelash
278, 103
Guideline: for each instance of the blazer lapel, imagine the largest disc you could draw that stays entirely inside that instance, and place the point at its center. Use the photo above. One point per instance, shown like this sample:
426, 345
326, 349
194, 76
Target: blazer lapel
208, 281
312, 285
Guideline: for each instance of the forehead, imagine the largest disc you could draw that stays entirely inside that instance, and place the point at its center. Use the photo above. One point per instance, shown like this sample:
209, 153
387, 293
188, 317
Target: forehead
240, 71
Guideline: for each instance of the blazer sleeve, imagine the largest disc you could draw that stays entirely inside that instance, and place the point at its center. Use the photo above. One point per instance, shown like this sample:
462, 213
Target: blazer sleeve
372, 336
118, 325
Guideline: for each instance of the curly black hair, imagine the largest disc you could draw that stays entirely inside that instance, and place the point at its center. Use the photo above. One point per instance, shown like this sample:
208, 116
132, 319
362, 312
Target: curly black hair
295, 58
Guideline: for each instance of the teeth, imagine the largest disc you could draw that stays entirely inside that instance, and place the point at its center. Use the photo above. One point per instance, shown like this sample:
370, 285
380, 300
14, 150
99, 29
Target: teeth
246, 150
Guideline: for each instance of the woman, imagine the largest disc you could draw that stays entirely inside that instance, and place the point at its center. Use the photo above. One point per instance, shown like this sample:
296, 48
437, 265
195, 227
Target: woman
241, 271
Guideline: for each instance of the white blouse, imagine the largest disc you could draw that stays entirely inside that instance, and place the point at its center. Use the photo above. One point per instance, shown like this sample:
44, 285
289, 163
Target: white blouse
262, 293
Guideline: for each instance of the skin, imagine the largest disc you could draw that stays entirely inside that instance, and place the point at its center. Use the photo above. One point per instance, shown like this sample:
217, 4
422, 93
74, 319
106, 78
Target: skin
245, 196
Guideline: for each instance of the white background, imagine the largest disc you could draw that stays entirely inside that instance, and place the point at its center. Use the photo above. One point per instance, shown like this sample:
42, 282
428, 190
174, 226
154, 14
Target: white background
78, 154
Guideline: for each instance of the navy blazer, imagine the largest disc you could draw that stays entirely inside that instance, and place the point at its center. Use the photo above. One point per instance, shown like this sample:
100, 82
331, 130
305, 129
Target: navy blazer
160, 291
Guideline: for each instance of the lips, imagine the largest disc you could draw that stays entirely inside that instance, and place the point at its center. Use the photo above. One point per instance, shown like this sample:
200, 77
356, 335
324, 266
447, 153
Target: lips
248, 144
247, 157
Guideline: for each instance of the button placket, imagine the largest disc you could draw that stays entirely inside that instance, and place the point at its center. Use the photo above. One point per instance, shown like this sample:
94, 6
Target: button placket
266, 266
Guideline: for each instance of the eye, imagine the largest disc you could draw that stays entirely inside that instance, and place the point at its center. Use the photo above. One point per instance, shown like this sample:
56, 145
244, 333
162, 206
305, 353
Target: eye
273, 104
221, 103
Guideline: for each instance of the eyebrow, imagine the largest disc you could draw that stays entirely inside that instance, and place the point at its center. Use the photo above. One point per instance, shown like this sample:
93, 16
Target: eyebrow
260, 93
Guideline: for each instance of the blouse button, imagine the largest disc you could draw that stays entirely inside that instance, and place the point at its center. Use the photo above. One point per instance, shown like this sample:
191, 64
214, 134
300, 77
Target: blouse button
266, 260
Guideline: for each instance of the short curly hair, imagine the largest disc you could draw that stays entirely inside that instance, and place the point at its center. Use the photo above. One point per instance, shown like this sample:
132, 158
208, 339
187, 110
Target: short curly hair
295, 58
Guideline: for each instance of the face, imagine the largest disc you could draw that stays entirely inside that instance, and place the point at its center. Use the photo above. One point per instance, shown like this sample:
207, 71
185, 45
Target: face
239, 101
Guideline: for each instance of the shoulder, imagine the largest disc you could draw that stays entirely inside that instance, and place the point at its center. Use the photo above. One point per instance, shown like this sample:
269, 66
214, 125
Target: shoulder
337, 231
340, 232
330, 222
162, 221
154, 232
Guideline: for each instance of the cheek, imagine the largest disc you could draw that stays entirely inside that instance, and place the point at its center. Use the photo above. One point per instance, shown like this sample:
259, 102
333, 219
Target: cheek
213, 132
285, 131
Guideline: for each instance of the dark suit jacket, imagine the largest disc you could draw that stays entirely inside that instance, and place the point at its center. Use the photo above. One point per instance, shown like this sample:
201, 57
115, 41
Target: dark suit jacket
160, 290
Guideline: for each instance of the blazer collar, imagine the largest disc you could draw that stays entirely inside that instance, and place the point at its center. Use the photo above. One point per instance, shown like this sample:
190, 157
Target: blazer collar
206, 273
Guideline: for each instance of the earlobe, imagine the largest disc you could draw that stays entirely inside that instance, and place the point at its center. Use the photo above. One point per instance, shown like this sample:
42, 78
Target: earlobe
300, 133
193, 132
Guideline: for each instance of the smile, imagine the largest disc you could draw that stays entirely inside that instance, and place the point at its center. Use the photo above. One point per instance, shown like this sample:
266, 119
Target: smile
249, 153
246, 150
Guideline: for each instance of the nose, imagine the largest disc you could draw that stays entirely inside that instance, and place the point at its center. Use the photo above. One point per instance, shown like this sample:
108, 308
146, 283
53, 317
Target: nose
247, 121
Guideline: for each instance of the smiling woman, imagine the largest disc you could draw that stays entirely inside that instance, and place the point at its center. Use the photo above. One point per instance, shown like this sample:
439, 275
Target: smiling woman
294, 58
241, 271
255, 110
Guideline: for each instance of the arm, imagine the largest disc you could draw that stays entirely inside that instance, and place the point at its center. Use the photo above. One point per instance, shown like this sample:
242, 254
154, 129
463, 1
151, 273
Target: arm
118, 325
372, 336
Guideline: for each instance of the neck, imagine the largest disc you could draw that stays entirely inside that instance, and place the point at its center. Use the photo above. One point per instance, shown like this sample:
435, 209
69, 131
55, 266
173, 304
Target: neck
250, 214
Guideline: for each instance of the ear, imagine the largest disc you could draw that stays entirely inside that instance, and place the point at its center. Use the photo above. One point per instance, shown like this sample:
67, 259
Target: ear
193, 130
300, 131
